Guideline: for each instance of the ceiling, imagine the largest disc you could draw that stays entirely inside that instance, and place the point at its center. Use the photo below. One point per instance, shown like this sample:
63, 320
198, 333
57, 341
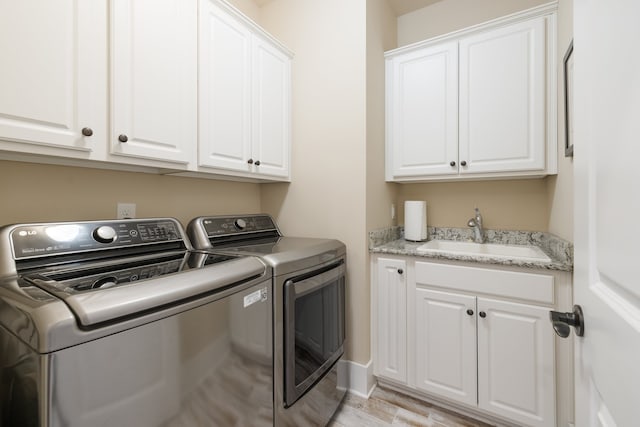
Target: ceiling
400, 7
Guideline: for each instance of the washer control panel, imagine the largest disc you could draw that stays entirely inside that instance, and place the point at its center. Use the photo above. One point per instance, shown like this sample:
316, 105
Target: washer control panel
37, 240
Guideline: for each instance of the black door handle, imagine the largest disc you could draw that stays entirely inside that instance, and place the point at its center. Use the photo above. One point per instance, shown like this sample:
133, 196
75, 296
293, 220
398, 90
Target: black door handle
562, 322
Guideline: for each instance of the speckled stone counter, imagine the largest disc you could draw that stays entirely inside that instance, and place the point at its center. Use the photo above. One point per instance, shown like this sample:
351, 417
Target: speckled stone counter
391, 241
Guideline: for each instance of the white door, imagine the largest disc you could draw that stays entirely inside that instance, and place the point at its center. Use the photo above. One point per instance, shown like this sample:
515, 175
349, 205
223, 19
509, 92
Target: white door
224, 90
516, 362
391, 319
271, 109
502, 99
422, 112
154, 79
606, 210
445, 340
52, 76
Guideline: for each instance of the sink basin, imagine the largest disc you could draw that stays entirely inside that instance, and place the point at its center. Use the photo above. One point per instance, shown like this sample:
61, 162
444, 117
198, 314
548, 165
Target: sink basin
449, 247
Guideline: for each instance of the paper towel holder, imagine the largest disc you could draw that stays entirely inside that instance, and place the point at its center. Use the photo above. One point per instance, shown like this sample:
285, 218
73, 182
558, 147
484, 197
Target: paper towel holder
415, 220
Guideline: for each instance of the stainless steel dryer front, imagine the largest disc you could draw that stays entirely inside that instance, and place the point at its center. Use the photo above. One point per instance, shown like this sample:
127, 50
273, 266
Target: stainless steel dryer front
119, 323
309, 310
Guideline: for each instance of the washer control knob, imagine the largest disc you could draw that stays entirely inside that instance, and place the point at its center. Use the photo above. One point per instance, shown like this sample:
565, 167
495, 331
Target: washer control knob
104, 234
240, 223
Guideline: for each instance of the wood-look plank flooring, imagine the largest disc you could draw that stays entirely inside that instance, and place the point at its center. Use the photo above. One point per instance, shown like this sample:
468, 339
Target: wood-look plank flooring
389, 408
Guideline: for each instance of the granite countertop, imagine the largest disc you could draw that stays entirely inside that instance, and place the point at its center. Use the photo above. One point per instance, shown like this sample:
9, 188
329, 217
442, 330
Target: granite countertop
391, 241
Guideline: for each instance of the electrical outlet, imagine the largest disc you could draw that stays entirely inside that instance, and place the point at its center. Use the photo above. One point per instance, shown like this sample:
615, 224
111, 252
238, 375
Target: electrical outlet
126, 210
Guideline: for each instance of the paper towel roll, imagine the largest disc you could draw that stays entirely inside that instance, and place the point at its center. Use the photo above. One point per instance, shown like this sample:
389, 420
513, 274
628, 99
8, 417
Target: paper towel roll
415, 220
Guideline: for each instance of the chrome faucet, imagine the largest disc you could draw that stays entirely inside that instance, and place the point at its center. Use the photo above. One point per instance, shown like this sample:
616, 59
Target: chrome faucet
476, 224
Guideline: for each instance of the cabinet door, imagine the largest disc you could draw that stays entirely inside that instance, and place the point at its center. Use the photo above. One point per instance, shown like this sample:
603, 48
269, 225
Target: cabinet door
422, 111
154, 79
271, 109
392, 319
53, 75
516, 362
502, 99
445, 358
224, 89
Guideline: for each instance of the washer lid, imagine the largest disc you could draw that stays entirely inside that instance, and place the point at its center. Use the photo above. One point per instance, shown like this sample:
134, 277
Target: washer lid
103, 292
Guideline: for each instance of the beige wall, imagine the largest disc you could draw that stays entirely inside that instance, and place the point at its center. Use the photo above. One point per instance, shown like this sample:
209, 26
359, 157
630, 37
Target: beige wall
510, 205
451, 15
381, 36
326, 197
31, 193
560, 187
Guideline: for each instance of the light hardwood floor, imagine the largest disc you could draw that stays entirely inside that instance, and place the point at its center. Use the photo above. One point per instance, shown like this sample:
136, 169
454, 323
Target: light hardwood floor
389, 408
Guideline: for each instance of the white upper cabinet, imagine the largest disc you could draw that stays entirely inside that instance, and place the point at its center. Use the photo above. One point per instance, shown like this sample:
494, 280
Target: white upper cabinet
52, 78
185, 87
422, 109
154, 79
244, 107
271, 109
225, 90
477, 103
502, 99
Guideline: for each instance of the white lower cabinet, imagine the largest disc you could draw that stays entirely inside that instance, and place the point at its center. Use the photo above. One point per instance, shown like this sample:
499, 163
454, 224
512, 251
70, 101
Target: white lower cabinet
392, 319
470, 335
516, 362
445, 340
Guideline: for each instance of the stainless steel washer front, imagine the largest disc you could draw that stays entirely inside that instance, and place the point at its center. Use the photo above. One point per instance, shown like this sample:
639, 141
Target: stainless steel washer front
124, 336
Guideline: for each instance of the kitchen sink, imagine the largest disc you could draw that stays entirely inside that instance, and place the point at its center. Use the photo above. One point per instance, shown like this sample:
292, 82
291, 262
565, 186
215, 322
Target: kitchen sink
519, 252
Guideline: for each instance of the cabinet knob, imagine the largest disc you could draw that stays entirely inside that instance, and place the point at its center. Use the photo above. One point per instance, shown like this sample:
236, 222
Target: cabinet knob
463, 163
452, 163
400, 271
123, 138
470, 312
87, 131
257, 162
250, 161
482, 314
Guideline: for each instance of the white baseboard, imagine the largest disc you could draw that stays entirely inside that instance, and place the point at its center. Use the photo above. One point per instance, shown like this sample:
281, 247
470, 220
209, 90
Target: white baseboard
356, 378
